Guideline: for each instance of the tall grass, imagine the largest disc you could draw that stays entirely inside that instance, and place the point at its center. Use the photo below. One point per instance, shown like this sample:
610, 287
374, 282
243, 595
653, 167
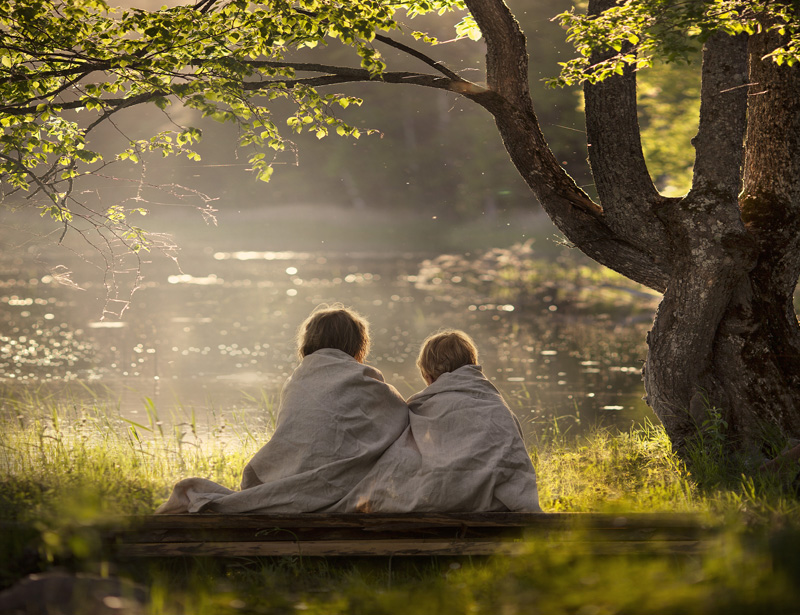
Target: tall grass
66, 466
66, 448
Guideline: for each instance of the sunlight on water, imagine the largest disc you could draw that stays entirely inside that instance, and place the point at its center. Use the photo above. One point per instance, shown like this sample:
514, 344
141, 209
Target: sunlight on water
267, 256
106, 324
190, 279
221, 341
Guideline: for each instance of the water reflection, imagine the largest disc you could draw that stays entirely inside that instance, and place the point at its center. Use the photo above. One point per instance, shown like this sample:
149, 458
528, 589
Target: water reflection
221, 337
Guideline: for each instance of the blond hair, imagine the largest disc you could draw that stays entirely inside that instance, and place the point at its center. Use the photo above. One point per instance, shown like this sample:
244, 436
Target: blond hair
334, 326
446, 351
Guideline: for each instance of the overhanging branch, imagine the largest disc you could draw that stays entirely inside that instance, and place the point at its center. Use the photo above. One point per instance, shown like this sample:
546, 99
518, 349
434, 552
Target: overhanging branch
339, 75
386, 40
80, 104
419, 55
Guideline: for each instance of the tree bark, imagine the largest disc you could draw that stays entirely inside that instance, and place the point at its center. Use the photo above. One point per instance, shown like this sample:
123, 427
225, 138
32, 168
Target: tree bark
710, 250
726, 256
726, 334
507, 98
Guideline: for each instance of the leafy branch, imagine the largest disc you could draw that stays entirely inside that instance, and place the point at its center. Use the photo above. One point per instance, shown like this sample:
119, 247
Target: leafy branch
634, 32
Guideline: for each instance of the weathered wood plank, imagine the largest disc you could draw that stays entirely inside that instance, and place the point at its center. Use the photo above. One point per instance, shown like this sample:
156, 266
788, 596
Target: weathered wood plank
340, 548
289, 533
314, 548
412, 520
320, 534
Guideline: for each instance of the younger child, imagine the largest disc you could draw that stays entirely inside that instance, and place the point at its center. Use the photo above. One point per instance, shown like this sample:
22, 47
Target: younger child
463, 449
336, 418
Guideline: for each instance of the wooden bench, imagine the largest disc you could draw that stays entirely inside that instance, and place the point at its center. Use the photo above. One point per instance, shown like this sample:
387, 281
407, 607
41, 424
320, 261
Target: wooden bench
321, 534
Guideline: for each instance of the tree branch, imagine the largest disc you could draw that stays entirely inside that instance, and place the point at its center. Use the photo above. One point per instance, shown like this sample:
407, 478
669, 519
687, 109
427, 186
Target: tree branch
80, 104
627, 194
353, 75
386, 40
60, 89
419, 55
204, 6
340, 75
506, 51
80, 69
508, 99
719, 143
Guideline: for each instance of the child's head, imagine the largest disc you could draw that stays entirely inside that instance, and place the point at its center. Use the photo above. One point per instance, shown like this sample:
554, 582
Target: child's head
337, 327
444, 352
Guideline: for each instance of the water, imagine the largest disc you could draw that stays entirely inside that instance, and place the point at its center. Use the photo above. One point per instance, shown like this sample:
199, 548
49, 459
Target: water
218, 336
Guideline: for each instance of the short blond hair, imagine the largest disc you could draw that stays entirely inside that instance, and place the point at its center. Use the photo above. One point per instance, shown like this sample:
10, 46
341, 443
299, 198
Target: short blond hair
334, 326
446, 351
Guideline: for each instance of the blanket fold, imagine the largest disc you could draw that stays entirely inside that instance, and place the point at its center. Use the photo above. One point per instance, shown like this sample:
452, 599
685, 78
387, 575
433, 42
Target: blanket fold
336, 418
462, 451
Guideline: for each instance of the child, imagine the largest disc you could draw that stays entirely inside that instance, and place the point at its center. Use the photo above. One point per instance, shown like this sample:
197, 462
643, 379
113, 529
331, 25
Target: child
463, 449
336, 418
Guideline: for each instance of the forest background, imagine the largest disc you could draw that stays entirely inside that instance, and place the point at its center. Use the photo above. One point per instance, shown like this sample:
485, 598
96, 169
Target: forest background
431, 151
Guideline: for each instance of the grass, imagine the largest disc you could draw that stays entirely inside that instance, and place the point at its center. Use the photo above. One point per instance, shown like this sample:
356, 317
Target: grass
67, 465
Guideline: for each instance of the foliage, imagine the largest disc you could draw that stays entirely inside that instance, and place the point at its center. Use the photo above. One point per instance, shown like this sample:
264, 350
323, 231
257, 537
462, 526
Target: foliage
61, 59
641, 31
68, 68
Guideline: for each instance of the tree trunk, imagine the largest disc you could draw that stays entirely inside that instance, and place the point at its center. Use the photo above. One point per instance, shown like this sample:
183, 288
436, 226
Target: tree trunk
726, 334
726, 256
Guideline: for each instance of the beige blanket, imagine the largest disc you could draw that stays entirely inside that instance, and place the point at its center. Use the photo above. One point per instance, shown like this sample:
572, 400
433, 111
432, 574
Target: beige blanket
462, 452
336, 418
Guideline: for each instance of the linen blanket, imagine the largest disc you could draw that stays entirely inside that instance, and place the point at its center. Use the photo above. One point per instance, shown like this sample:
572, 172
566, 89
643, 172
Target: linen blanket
336, 418
462, 452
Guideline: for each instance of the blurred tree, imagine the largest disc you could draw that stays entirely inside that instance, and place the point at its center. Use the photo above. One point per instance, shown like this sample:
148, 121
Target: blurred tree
724, 350
669, 107
456, 143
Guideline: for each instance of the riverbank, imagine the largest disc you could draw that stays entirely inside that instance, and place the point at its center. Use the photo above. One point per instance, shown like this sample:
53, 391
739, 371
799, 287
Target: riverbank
63, 471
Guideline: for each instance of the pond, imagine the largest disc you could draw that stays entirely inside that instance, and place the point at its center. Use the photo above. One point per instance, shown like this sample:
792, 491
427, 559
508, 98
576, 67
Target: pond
216, 338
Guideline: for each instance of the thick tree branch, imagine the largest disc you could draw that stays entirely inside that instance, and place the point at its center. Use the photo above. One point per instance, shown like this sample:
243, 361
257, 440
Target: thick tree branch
431, 81
708, 299
351, 75
770, 201
719, 144
626, 191
506, 52
508, 99
339, 75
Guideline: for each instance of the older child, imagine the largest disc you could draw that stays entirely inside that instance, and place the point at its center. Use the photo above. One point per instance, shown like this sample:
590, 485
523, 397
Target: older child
463, 450
336, 418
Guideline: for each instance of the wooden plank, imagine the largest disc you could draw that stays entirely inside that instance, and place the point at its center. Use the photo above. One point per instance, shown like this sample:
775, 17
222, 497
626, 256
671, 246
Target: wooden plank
300, 535
339, 548
379, 521
314, 548
321, 534
289, 534
251, 527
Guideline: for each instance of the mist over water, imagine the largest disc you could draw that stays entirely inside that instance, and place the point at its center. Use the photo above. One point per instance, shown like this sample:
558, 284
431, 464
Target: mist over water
216, 337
